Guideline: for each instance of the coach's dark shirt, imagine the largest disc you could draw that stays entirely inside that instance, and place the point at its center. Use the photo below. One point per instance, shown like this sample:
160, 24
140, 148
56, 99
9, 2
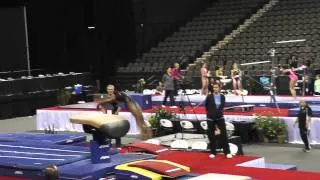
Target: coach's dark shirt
214, 112
303, 114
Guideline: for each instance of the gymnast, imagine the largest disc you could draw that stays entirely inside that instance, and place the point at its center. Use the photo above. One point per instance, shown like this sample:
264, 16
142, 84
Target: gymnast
292, 76
109, 126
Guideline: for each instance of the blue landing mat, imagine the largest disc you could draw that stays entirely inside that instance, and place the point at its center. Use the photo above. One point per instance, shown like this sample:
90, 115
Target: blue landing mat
62, 139
315, 111
281, 166
84, 169
28, 159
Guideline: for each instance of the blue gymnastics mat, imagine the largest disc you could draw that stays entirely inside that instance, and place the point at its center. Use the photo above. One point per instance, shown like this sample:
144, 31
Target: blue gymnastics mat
84, 169
63, 139
28, 159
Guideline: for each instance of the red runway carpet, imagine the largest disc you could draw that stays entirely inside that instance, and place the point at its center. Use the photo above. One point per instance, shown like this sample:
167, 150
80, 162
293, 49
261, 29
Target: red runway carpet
201, 163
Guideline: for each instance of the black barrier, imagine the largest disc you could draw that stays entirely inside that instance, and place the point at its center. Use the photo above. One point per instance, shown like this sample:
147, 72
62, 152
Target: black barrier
21, 97
46, 83
246, 130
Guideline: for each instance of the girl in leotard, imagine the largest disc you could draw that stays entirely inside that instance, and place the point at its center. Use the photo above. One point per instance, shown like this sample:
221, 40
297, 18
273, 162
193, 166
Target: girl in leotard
293, 78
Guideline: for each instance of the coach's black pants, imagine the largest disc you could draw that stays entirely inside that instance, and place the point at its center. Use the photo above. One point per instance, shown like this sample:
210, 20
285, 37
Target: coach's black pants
213, 138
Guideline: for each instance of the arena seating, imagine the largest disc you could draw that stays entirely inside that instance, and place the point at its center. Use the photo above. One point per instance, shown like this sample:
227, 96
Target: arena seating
287, 20
190, 41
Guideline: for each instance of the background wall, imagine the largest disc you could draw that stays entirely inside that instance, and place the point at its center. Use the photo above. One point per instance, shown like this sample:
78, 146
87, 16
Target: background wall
57, 33
13, 54
60, 40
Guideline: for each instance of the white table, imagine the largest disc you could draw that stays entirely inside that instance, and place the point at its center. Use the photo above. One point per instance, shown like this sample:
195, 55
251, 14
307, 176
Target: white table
59, 119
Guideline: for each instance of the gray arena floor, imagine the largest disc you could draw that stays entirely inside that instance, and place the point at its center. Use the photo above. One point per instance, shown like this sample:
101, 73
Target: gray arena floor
275, 153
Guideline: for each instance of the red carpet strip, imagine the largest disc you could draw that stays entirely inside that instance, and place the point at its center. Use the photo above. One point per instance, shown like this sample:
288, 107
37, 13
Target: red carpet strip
201, 110
200, 163
198, 110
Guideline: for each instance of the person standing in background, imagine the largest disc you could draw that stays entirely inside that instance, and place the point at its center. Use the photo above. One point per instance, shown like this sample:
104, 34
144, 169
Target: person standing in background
304, 121
104, 105
308, 77
168, 82
110, 104
160, 88
204, 79
176, 74
317, 85
273, 92
236, 77
293, 60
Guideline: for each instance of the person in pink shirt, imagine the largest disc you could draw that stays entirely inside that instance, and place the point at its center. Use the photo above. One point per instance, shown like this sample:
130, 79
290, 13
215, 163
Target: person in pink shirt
175, 72
293, 78
204, 79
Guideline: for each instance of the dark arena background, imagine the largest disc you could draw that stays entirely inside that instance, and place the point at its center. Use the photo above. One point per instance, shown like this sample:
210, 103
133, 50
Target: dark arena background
84, 89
